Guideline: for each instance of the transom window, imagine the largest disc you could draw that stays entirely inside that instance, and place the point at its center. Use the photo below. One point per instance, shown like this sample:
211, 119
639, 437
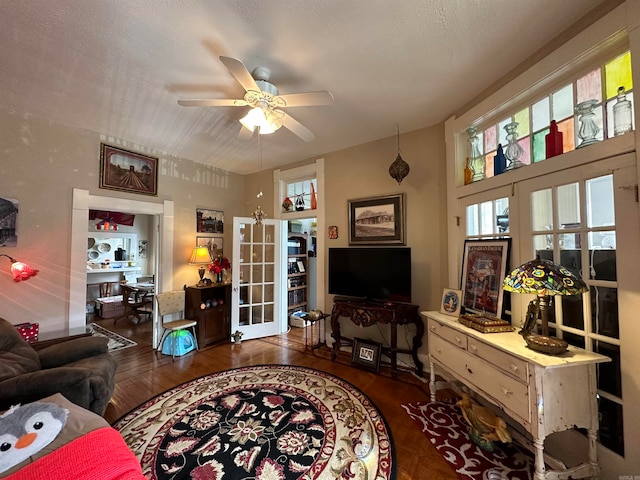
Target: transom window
581, 109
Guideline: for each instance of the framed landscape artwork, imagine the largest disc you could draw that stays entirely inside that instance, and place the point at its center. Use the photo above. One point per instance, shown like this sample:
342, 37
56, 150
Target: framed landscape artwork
484, 266
128, 171
378, 220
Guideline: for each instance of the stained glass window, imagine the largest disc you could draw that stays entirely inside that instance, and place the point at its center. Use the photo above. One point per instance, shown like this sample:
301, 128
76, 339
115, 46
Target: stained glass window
540, 114
618, 73
589, 86
562, 103
600, 83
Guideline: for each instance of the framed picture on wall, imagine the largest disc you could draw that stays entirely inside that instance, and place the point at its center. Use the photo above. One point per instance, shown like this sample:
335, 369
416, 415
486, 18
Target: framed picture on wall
484, 266
209, 221
214, 244
128, 171
378, 220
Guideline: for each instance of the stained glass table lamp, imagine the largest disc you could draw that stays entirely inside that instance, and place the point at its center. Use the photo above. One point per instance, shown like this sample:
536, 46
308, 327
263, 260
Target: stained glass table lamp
542, 278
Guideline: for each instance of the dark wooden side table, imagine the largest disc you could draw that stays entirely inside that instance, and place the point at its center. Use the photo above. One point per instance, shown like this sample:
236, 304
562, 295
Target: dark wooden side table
366, 313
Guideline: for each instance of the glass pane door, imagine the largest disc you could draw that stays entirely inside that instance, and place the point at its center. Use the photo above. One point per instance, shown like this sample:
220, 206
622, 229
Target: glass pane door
257, 307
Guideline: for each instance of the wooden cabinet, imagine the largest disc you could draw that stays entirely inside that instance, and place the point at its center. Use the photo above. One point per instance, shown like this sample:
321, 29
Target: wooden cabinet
542, 393
297, 266
211, 307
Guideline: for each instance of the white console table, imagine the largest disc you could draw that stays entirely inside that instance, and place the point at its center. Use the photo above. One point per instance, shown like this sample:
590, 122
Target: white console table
543, 393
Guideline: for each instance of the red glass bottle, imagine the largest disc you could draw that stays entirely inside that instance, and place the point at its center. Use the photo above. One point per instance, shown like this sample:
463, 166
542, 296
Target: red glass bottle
553, 141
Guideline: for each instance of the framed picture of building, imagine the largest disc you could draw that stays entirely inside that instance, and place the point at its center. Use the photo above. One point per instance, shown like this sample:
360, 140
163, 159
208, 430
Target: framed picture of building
484, 266
378, 220
209, 221
128, 171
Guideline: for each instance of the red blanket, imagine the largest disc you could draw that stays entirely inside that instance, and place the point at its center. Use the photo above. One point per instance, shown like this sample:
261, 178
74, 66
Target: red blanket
99, 455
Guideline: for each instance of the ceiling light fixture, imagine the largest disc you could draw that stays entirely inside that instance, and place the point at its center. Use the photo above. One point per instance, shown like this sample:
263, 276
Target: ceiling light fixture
399, 168
261, 117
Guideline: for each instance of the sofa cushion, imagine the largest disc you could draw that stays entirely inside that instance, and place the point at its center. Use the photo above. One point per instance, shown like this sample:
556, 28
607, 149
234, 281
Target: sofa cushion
79, 422
16, 356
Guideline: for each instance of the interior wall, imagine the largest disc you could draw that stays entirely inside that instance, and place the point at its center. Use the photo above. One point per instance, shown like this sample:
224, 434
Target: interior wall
41, 163
363, 171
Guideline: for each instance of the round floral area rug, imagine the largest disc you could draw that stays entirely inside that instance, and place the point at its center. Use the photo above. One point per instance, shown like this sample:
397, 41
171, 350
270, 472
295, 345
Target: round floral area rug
265, 422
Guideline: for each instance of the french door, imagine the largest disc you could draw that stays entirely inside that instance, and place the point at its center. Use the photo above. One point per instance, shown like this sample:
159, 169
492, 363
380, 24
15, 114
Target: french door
258, 295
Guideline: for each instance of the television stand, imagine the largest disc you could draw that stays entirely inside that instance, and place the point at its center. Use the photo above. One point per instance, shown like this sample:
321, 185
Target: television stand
365, 313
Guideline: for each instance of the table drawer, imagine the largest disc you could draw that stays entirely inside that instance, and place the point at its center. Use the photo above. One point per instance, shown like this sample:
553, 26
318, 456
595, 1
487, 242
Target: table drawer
457, 338
513, 366
482, 377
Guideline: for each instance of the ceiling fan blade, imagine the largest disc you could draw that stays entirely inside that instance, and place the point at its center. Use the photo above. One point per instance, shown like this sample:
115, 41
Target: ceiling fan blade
297, 128
306, 99
213, 102
240, 73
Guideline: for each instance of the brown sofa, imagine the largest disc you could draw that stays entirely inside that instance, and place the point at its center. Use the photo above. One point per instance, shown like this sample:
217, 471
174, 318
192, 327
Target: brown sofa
81, 369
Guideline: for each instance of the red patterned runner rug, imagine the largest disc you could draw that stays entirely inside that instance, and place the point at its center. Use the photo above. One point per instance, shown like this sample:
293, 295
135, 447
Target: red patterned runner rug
265, 422
446, 429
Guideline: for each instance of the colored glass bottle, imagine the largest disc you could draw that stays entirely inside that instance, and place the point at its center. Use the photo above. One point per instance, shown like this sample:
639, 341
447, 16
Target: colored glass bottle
468, 173
553, 141
499, 161
622, 114
476, 159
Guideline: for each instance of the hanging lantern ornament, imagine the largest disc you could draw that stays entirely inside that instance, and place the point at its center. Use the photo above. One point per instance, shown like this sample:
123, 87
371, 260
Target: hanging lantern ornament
399, 168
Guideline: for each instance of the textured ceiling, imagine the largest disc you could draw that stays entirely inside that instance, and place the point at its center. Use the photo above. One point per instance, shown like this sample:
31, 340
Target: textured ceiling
118, 67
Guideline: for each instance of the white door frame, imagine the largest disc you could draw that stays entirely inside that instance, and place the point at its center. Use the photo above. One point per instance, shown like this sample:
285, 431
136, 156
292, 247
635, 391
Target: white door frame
83, 201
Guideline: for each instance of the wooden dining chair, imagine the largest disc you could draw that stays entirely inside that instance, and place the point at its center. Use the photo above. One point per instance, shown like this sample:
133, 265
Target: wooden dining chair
170, 303
133, 301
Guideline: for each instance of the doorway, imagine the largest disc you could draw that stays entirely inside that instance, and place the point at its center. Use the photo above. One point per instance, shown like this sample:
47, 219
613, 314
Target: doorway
163, 227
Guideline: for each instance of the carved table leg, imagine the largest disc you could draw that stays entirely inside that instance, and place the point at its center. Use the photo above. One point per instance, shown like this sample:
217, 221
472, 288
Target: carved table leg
417, 343
539, 460
335, 333
432, 381
394, 350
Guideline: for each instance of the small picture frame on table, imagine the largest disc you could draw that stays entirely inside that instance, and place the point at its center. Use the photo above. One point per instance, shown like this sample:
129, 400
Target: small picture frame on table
366, 354
451, 303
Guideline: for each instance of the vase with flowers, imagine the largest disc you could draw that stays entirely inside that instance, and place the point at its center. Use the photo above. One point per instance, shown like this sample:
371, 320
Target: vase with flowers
219, 265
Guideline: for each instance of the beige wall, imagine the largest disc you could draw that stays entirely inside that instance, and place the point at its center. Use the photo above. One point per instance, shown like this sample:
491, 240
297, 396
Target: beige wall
363, 171
40, 164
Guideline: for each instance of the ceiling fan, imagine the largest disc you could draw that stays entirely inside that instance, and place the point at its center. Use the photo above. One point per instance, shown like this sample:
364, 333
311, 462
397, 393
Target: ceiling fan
266, 114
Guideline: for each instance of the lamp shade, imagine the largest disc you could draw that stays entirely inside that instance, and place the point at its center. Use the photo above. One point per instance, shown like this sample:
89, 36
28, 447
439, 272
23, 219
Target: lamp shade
543, 277
200, 256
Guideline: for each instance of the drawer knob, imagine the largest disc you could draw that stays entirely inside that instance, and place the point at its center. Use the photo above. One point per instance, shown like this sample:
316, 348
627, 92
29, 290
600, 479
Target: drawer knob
432, 328
474, 348
506, 392
458, 340
515, 368
469, 370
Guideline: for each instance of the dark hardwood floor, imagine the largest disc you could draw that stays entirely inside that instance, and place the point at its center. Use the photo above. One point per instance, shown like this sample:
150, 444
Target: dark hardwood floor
142, 374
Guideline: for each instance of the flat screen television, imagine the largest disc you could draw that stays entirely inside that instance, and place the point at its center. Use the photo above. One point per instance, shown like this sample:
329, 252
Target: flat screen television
371, 273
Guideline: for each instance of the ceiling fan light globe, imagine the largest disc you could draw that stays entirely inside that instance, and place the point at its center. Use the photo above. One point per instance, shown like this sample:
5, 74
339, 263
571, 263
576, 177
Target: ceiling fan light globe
253, 119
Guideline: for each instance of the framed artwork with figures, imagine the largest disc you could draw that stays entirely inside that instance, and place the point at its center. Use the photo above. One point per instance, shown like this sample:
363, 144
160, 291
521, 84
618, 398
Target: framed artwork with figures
484, 266
451, 303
